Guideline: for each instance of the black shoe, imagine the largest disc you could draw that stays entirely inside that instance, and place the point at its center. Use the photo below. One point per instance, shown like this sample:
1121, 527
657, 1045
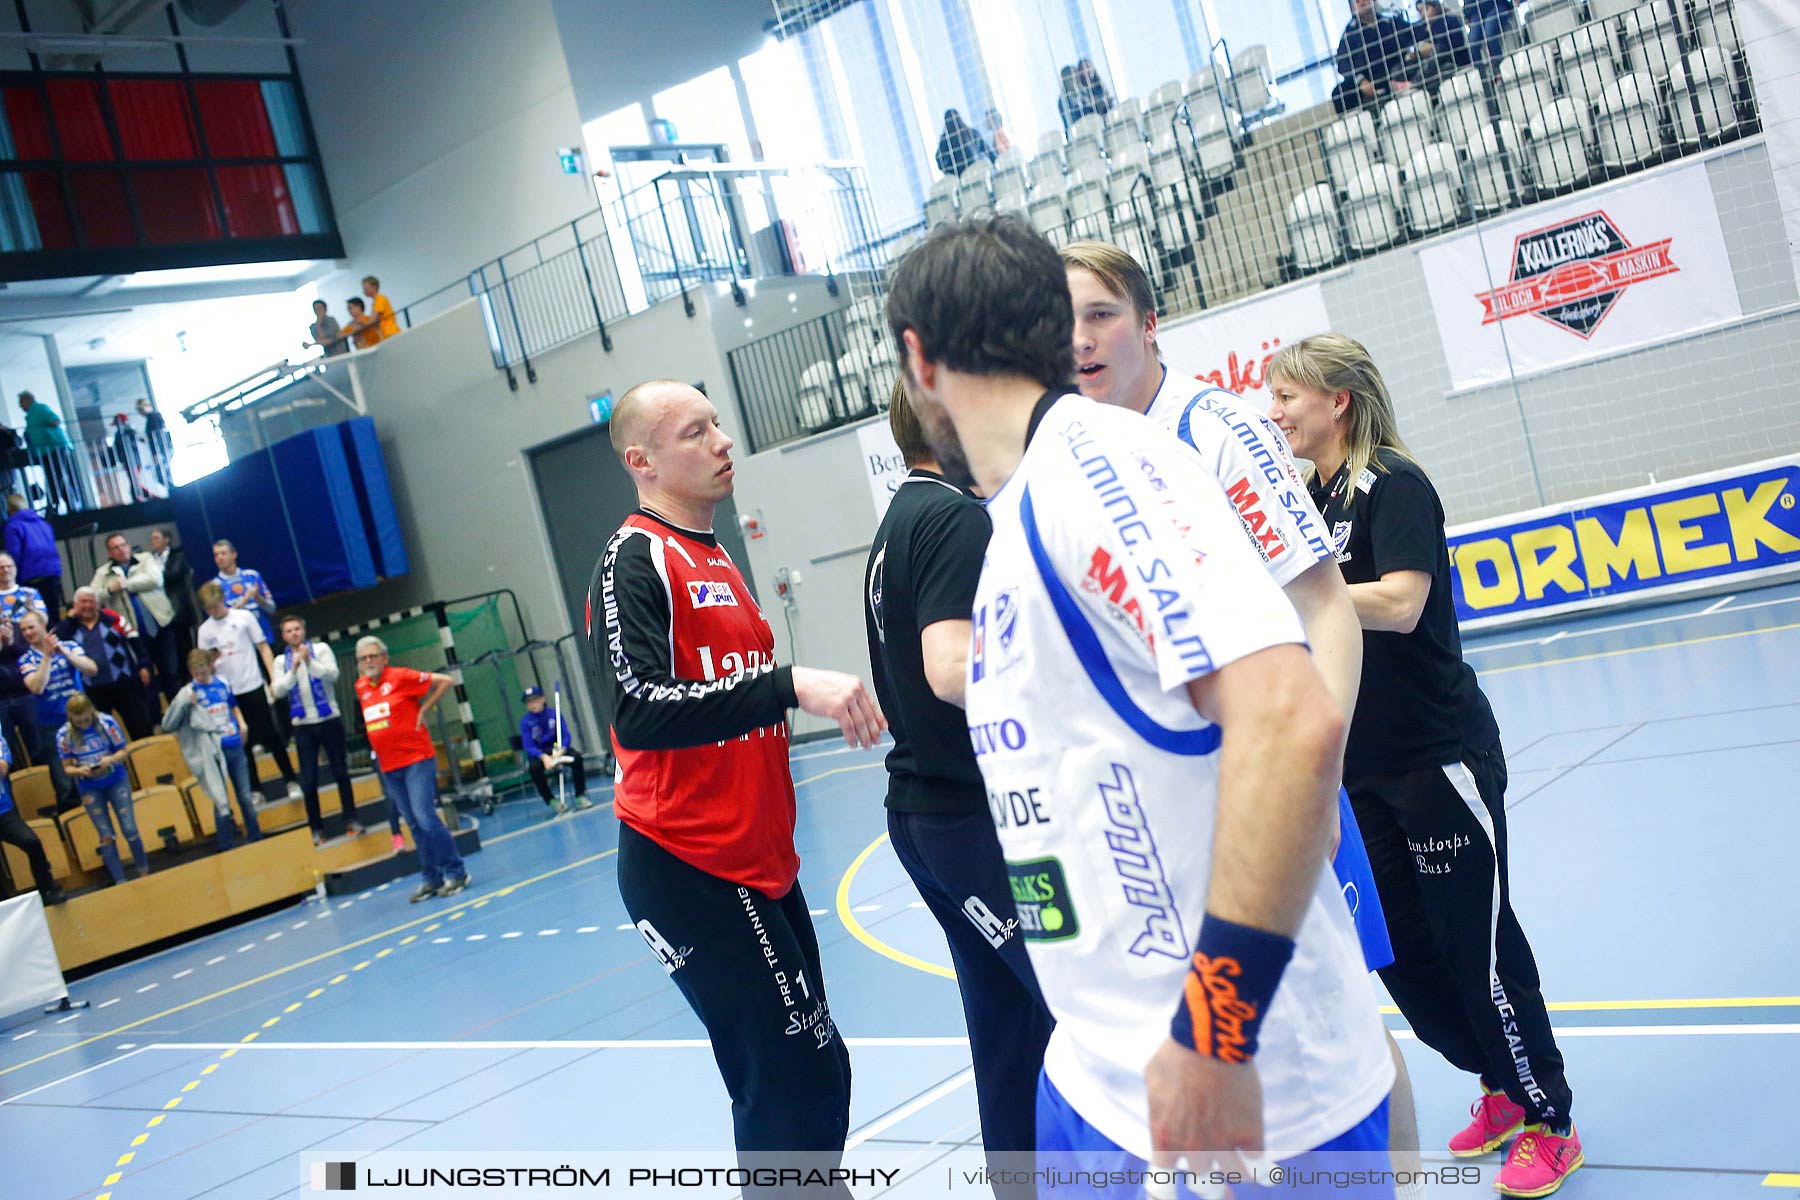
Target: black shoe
54, 895
425, 892
453, 886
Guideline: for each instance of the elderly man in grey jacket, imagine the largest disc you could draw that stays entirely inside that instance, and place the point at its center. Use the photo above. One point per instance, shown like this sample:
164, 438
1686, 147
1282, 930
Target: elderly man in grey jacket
131, 582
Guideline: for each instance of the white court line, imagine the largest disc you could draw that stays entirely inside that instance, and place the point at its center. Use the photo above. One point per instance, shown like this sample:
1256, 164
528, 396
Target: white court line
902, 1042
588, 929
77, 1075
602, 1044
67, 1019
213, 962
900, 1114
182, 974
107, 1003
145, 988
829, 753
1716, 605
1715, 610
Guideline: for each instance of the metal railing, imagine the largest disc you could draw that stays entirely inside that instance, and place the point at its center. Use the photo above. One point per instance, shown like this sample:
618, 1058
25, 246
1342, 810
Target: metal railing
825, 373
128, 468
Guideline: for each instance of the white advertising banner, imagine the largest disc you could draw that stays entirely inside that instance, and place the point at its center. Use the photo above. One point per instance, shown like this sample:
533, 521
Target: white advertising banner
1582, 278
32, 976
1771, 40
1231, 348
882, 462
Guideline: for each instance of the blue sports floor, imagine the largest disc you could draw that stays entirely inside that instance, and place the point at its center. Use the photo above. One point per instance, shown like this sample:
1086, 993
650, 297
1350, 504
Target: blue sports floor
1655, 849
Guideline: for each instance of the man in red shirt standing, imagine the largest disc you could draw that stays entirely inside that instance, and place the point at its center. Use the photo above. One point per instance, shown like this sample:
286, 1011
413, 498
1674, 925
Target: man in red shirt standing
704, 795
394, 701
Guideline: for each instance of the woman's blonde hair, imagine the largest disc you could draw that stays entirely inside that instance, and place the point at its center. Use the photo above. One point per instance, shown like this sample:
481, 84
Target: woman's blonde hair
78, 706
1333, 363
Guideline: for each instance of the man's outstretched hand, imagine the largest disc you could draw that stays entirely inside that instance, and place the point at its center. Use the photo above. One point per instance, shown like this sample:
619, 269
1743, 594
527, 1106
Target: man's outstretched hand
841, 698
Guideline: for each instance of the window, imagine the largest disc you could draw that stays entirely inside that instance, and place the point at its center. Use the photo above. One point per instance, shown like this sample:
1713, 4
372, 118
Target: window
706, 109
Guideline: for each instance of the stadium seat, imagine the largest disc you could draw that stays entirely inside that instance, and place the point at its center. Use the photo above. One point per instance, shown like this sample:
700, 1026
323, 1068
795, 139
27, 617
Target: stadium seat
862, 331
1715, 24
1587, 64
1087, 204
1626, 122
1177, 218
1372, 209
1350, 146
1650, 41
1406, 126
1050, 142
1250, 80
1606, 10
1527, 83
155, 760
940, 203
1701, 100
1212, 137
1549, 20
50, 834
84, 839
1086, 157
854, 371
816, 404
1206, 100
972, 190
158, 809
1049, 214
1010, 159
1496, 170
1047, 171
1314, 237
1559, 145
1463, 107
1128, 185
32, 790
1160, 119
1091, 127
1433, 187
1121, 136
1009, 191
1126, 110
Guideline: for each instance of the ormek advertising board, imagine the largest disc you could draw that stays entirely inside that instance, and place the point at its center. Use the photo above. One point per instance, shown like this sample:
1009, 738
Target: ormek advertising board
1660, 541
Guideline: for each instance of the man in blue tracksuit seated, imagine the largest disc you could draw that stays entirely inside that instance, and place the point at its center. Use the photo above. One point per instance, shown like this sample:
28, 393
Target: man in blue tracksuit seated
546, 749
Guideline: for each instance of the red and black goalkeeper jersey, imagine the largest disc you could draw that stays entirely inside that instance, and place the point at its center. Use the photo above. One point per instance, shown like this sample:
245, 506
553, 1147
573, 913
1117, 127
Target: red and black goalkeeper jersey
699, 706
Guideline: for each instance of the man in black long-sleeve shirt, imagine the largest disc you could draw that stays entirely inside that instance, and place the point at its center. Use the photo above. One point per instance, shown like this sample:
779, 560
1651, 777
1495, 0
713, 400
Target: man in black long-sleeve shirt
1373, 57
704, 797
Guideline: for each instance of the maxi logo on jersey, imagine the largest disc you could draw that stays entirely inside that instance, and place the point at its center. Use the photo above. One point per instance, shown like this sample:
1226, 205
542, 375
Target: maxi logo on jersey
1285, 485
1106, 579
1140, 868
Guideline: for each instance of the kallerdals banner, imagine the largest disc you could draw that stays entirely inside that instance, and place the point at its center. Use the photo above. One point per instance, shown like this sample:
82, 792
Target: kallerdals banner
1652, 542
1601, 272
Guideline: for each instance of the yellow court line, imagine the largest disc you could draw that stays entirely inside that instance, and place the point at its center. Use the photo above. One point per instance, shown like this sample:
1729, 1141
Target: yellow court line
863, 935
904, 959
1693, 641
307, 962
880, 762
1780, 1179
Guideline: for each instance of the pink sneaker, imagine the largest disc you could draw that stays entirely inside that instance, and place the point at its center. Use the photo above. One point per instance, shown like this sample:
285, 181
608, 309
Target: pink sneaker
399, 843
1496, 1119
1539, 1162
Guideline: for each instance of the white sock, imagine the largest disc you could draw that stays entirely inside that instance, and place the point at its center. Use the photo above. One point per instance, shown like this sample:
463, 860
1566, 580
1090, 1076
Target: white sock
1413, 1189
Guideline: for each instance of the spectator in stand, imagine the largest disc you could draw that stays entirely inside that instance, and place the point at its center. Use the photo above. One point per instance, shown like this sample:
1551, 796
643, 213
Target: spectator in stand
394, 702
549, 745
246, 588
52, 672
382, 308
959, 146
1489, 22
239, 640
204, 716
49, 444
162, 446
14, 830
18, 707
1372, 57
15, 597
92, 749
1443, 45
32, 544
325, 331
112, 643
11, 456
1092, 87
996, 126
178, 585
132, 582
307, 674
128, 456
363, 329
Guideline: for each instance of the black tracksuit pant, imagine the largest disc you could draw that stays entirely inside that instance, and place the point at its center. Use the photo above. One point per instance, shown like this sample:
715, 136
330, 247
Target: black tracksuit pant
749, 968
954, 860
1463, 974
260, 718
540, 778
13, 829
328, 736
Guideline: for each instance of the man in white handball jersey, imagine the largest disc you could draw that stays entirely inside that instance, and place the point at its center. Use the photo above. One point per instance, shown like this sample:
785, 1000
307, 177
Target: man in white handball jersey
1210, 997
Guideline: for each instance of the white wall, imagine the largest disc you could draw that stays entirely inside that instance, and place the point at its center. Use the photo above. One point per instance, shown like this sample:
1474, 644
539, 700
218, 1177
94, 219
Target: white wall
439, 125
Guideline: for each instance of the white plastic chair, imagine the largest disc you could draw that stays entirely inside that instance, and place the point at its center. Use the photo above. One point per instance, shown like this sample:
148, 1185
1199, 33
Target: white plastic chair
1559, 145
1313, 234
1432, 187
815, 405
1650, 39
1715, 23
1587, 64
1701, 99
1047, 171
1250, 79
940, 203
1551, 19
1372, 209
1350, 146
1626, 122
1527, 83
972, 187
1218, 158
1462, 107
1495, 149
1406, 126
